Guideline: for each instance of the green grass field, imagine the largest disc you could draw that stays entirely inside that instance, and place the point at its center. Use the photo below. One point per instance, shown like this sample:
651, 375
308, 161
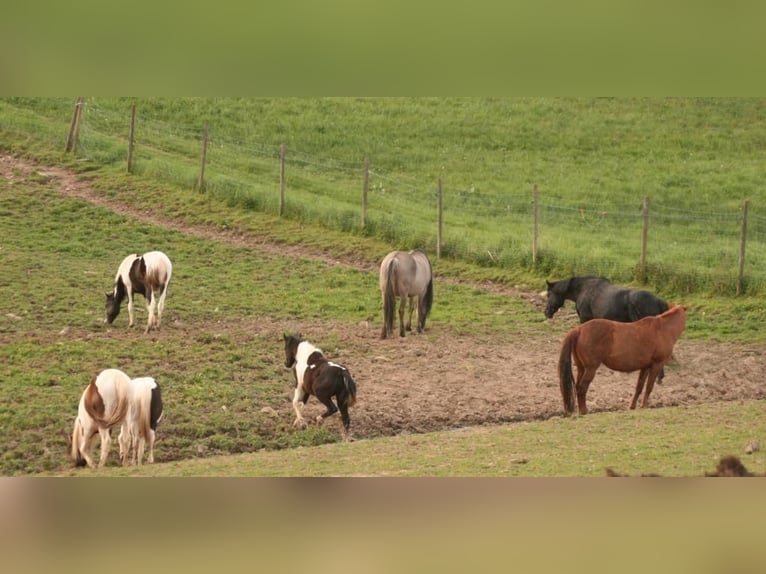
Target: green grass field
700, 157
593, 160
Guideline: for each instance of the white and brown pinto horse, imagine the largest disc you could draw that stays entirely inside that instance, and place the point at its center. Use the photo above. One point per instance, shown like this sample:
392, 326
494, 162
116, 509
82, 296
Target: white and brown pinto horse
406, 275
103, 405
113, 399
315, 375
148, 274
139, 429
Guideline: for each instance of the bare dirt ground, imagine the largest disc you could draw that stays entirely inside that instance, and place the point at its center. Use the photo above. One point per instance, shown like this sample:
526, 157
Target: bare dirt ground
444, 380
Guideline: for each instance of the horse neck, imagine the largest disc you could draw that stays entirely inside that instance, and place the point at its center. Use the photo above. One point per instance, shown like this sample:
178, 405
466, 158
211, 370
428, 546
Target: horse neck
675, 322
304, 351
119, 291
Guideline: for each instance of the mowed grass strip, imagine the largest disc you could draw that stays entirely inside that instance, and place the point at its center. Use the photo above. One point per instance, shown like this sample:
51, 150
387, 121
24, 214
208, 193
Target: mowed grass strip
671, 442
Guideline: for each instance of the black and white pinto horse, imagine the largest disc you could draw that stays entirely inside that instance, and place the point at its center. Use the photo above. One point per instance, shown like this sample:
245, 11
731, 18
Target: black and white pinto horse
598, 298
406, 275
139, 429
315, 375
148, 274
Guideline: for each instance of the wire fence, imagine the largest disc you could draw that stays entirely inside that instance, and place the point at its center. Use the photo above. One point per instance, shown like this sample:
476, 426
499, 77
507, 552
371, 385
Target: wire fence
707, 249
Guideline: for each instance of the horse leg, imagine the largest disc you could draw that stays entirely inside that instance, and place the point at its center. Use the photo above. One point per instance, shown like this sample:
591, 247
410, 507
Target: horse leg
106, 442
124, 441
402, 303
152, 438
654, 375
412, 309
86, 447
131, 308
331, 408
151, 305
345, 419
161, 304
299, 399
584, 378
639, 386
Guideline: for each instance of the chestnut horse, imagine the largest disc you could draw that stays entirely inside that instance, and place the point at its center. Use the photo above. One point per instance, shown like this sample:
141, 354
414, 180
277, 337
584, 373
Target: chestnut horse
406, 275
148, 274
644, 345
315, 375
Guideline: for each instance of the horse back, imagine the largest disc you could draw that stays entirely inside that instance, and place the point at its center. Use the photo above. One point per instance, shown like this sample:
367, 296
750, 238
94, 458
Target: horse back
408, 272
326, 378
156, 269
105, 399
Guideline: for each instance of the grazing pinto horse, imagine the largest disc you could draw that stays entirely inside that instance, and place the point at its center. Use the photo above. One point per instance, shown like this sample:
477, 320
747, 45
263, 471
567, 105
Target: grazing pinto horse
148, 274
315, 375
597, 297
139, 428
643, 346
103, 405
406, 275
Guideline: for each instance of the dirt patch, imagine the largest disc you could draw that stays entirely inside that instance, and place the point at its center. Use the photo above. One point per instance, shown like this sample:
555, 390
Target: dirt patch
443, 380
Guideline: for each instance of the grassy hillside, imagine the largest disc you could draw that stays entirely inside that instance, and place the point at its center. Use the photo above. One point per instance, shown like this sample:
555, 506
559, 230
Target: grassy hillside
593, 160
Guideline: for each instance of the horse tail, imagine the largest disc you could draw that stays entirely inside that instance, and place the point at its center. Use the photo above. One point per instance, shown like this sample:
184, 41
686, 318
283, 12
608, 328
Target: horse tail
94, 406
566, 380
350, 385
389, 299
144, 415
428, 300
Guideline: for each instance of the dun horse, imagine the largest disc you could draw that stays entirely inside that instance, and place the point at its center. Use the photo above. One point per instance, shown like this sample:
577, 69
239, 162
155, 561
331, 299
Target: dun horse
103, 405
644, 346
315, 375
148, 274
406, 275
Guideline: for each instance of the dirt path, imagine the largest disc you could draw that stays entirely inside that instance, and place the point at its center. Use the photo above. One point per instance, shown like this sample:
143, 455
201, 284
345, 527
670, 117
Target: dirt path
421, 384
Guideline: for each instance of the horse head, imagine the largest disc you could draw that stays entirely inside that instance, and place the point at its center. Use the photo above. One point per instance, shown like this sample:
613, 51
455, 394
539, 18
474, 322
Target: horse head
555, 297
112, 308
291, 348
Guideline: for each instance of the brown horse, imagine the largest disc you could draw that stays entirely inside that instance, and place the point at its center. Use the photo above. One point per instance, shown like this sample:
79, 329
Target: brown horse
645, 346
406, 275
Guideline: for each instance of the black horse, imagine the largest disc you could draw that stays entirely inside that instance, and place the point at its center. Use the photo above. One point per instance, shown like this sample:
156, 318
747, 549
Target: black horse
597, 297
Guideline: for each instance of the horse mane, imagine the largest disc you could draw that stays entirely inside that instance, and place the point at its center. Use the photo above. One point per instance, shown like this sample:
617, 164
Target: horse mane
119, 291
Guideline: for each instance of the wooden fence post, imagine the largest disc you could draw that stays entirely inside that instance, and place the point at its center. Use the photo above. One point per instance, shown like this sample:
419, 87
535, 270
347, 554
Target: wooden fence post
365, 188
131, 139
534, 223
282, 153
644, 237
201, 179
742, 244
74, 126
439, 219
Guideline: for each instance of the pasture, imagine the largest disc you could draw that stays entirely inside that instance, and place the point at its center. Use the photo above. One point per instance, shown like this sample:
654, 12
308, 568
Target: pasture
476, 394
488, 357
